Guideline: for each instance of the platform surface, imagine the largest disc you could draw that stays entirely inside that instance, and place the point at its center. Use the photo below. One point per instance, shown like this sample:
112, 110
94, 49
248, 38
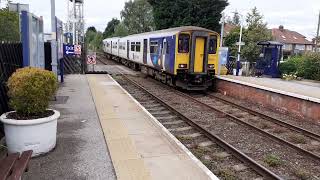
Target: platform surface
140, 148
81, 151
307, 90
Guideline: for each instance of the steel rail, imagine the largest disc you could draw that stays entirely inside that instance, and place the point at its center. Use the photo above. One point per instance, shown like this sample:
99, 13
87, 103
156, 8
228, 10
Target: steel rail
263, 171
236, 119
274, 120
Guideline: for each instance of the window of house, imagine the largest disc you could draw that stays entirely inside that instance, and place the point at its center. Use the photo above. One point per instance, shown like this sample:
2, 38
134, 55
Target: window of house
154, 47
133, 45
213, 45
138, 46
184, 43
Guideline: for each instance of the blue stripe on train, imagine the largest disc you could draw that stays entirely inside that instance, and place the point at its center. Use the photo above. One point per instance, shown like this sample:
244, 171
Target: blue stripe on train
156, 58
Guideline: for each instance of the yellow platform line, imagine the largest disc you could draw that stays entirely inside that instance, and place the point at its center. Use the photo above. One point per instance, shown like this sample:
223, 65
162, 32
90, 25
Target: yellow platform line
127, 163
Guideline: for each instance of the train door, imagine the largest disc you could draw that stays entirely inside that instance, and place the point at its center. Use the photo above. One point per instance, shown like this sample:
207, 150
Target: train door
199, 54
145, 51
128, 49
164, 53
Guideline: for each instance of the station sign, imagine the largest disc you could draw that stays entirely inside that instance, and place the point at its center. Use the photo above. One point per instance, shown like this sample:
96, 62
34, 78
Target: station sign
91, 60
69, 50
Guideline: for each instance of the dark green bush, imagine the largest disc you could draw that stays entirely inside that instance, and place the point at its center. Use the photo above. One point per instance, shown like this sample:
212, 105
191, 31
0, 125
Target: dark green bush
30, 90
306, 66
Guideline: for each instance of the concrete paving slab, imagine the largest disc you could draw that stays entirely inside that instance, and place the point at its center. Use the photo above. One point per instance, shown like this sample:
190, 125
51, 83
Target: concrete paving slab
147, 151
81, 151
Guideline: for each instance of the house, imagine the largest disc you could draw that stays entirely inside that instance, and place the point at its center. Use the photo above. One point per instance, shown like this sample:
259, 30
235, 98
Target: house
293, 42
228, 28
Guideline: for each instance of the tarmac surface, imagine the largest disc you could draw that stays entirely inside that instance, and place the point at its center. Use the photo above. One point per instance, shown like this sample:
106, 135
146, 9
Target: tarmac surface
81, 151
299, 89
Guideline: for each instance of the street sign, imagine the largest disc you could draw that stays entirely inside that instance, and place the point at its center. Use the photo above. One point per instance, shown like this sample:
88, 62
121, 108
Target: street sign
242, 43
68, 50
77, 49
91, 59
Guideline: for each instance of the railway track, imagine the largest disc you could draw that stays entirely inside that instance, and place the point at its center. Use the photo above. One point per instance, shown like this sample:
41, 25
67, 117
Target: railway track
309, 161
292, 139
199, 139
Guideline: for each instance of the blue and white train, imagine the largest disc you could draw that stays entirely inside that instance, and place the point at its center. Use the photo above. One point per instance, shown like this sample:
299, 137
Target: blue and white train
185, 57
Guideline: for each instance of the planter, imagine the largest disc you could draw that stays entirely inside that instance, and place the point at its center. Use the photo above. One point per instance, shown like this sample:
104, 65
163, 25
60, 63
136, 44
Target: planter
38, 135
235, 72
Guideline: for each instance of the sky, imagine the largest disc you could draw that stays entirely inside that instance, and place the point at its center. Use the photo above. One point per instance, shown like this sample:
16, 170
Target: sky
297, 15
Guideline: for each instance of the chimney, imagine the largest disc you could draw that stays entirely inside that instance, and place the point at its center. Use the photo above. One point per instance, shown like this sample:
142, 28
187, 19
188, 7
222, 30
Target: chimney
281, 28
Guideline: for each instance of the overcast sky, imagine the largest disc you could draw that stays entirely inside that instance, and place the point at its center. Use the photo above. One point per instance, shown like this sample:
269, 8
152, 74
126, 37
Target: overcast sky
295, 15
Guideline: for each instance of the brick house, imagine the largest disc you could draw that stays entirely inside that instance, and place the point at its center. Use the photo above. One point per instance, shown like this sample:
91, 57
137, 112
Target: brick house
293, 41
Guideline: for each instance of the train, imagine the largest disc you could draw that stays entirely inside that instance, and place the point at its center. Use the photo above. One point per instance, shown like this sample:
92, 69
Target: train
185, 57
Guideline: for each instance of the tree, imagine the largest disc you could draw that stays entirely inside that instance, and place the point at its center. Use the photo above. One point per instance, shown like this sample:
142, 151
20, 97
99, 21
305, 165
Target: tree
173, 13
92, 28
257, 31
110, 29
9, 25
120, 30
137, 16
235, 20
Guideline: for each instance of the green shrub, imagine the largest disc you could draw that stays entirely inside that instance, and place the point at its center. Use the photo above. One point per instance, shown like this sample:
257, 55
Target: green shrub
291, 66
310, 66
306, 66
30, 90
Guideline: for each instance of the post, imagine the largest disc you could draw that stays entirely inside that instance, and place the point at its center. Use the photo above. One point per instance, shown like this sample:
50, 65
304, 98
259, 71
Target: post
239, 50
54, 62
316, 41
221, 43
74, 21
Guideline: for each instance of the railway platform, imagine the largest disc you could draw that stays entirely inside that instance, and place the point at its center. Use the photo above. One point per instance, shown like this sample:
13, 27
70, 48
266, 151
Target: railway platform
140, 147
300, 98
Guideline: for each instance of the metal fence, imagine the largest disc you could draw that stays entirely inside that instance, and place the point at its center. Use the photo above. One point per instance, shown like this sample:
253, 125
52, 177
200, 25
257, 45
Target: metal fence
10, 60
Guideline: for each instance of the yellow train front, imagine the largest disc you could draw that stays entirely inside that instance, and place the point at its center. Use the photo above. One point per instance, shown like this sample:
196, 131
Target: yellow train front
185, 57
196, 59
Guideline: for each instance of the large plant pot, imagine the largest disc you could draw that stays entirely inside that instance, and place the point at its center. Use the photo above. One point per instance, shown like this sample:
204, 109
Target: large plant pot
39, 135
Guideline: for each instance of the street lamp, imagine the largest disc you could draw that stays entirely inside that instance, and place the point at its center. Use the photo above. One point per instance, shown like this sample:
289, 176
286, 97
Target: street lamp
240, 43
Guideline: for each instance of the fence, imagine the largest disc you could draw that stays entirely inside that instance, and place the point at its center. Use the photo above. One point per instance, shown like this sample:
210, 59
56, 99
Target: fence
10, 59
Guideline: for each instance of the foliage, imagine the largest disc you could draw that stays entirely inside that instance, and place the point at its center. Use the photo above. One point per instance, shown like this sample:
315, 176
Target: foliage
30, 90
92, 28
120, 30
93, 39
110, 29
272, 160
9, 25
291, 66
255, 32
306, 66
174, 13
235, 20
137, 16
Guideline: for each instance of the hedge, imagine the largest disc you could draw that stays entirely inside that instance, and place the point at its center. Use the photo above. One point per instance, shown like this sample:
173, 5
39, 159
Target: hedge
306, 66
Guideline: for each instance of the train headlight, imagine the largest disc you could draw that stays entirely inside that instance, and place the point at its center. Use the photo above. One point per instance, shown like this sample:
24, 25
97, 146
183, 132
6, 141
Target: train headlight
183, 66
211, 66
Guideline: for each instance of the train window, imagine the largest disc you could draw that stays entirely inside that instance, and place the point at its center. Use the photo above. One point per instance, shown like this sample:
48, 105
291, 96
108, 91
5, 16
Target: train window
154, 47
184, 43
213, 45
168, 48
138, 46
133, 44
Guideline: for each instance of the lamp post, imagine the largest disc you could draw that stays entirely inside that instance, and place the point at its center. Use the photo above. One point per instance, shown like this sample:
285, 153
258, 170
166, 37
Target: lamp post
221, 41
240, 44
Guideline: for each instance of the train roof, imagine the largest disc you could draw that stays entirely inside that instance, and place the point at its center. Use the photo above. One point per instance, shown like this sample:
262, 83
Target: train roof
165, 32
173, 30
